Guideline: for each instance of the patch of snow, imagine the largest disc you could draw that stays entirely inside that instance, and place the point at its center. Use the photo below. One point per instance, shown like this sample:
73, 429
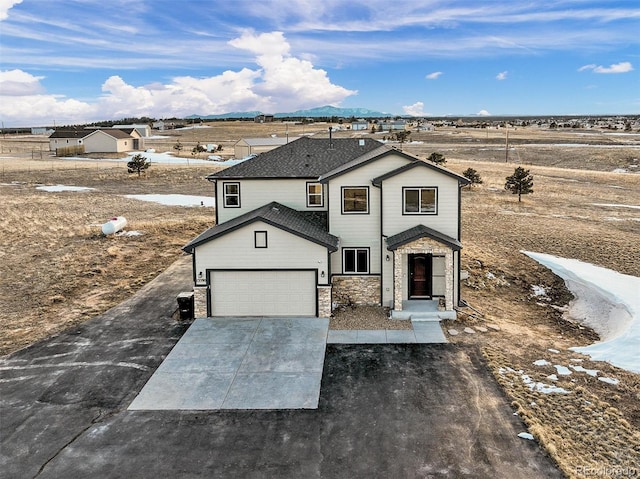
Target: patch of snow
193, 127
542, 387
57, 188
176, 200
614, 205
576, 360
551, 350
538, 290
620, 170
590, 372
128, 233
562, 370
525, 435
552, 377
608, 302
609, 380
490, 275
541, 362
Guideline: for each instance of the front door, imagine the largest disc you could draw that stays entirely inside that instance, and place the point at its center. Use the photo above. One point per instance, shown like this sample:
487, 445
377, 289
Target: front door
420, 276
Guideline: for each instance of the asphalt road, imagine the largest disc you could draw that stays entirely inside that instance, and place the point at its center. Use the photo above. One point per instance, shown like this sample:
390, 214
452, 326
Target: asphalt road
401, 411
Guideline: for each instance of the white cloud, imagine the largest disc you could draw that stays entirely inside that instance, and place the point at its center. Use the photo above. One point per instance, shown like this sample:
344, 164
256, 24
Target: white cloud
622, 67
281, 83
417, 109
483, 113
502, 75
5, 6
433, 76
18, 83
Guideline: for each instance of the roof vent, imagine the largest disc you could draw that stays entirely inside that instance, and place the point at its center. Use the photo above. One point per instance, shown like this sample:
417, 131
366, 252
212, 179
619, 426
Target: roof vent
361, 142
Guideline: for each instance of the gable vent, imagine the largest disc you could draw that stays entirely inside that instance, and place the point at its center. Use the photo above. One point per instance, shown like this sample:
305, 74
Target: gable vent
361, 142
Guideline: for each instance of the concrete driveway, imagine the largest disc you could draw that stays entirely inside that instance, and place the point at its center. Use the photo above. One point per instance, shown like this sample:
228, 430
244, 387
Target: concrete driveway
241, 363
388, 410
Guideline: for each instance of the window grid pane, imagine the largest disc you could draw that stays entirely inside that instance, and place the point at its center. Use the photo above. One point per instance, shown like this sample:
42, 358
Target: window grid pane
355, 200
427, 200
411, 201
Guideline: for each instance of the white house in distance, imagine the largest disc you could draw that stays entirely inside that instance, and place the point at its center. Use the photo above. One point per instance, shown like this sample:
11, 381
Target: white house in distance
143, 129
319, 222
103, 140
254, 146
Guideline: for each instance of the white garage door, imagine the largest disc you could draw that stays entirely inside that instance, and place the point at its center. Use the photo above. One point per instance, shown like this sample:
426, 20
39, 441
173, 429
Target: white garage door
263, 293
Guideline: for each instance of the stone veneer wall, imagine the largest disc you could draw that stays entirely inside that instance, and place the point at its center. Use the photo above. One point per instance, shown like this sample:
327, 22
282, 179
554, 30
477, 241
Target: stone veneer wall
324, 301
357, 289
422, 245
200, 301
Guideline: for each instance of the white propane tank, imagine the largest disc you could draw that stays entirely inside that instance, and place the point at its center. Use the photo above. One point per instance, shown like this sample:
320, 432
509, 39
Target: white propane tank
114, 225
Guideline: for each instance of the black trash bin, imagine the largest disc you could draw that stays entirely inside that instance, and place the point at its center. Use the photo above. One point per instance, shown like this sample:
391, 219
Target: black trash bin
185, 305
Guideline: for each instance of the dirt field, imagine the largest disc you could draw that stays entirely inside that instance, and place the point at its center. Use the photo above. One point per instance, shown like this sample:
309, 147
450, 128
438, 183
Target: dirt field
56, 268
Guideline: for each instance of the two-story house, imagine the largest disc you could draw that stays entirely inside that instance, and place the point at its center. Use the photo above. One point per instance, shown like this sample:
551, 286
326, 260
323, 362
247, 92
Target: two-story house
317, 222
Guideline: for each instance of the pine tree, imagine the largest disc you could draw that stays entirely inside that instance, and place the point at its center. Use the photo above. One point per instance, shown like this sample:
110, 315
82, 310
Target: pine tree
437, 158
138, 164
520, 183
473, 176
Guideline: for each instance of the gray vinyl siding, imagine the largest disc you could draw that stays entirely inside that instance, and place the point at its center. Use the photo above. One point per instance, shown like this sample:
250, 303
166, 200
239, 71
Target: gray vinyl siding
236, 250
359, 230
257, 193
446, 219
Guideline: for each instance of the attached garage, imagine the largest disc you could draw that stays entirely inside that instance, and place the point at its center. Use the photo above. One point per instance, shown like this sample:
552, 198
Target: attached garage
263, 293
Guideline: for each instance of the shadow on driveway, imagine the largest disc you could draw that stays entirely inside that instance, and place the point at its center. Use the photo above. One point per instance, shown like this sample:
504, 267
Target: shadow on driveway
402, 410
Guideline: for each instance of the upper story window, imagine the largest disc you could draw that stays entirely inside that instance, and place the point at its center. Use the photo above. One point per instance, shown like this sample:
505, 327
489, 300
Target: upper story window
420, 201
231, 194
355, 200
314, 195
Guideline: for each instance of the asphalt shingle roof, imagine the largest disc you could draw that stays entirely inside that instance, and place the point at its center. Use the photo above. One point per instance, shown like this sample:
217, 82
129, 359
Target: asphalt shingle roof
303, 158
276, 215
420, 231
461, 179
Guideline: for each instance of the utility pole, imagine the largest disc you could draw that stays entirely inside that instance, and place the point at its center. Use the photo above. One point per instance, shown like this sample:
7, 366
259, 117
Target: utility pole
506, 147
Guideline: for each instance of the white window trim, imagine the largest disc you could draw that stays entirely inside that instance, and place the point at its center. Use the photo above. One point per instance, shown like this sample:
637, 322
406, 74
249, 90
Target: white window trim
309, 195
419, 189
226, 195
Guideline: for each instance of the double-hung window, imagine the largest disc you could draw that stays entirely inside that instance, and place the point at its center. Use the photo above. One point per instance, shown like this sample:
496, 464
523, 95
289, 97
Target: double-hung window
231, 193
314, 195
355, 200
420, 201
355, 260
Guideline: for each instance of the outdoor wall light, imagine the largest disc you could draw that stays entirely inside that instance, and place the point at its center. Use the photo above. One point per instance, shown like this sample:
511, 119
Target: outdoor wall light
322, 274
200, 275
388, 258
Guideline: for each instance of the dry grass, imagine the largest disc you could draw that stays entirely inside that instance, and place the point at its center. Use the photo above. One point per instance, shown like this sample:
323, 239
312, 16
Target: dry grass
57, 270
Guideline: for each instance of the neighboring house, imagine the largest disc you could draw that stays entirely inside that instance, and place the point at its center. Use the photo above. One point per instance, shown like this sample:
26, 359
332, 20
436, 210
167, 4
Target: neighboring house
254, 146
143, 129
392, 125
319, 222
103, 140
360, 125
263, 118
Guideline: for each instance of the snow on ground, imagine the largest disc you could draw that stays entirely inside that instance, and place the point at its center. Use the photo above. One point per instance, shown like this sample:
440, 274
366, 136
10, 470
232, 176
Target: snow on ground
613, 205
176, 200
57, 188
606, 301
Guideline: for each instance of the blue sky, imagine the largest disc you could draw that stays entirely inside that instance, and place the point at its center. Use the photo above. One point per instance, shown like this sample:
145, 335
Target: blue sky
72, 61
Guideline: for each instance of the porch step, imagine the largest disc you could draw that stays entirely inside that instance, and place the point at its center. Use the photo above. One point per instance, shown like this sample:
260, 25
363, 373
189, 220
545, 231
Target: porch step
423, 315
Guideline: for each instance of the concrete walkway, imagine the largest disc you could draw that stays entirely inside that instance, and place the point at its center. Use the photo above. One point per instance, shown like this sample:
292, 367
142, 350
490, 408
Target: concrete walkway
232, 363
423, 332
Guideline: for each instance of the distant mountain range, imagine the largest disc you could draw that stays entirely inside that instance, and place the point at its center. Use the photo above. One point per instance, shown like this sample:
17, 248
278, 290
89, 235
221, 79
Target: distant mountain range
322, 111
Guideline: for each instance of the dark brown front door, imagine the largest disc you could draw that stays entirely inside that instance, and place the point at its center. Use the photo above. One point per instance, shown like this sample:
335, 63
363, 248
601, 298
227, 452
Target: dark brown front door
419, 276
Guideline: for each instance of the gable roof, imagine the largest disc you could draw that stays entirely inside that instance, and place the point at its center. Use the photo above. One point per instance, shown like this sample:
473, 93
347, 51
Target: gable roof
69, 133
277, 215
373, 155
302, 158
112, 132
421, 231
461, 179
